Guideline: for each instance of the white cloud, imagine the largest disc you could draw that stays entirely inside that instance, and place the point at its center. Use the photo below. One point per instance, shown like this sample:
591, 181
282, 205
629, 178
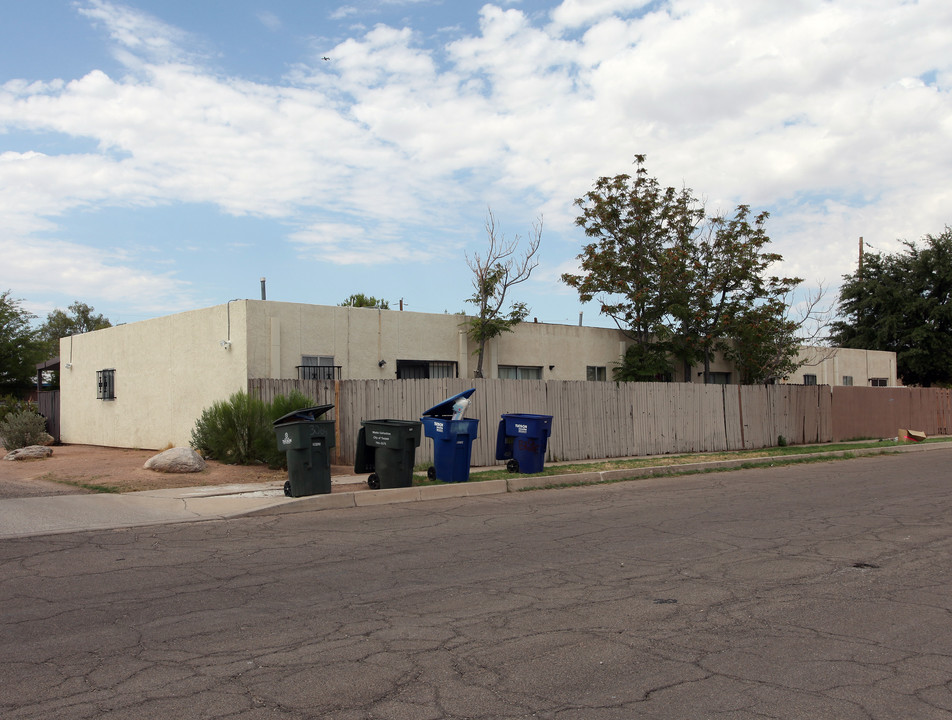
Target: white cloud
139, 33
577, 13
270, 20
45, 266
835, 116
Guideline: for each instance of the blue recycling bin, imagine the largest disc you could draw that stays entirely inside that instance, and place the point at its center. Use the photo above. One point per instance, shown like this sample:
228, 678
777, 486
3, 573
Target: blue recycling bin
522, 440
452, 440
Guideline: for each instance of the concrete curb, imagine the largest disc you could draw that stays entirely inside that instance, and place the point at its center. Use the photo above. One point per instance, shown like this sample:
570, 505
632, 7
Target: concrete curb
393, 496
33, 516
367, 498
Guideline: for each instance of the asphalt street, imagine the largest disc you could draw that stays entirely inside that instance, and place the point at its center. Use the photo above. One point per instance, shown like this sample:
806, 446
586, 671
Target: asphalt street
810, 591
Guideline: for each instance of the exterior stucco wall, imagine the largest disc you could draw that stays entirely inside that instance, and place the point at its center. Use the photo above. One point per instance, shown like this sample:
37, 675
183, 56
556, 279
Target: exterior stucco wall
832, 365
167, 370
357, 338
562, 351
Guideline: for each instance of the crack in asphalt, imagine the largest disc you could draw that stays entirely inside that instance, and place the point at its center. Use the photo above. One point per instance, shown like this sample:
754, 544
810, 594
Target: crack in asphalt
806, 592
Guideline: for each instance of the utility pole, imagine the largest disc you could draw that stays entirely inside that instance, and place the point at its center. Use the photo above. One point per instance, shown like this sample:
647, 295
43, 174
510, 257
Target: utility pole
860, 258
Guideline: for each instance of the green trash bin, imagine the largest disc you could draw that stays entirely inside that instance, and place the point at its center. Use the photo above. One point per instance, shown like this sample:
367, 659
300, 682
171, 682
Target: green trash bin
307, 442
386, 449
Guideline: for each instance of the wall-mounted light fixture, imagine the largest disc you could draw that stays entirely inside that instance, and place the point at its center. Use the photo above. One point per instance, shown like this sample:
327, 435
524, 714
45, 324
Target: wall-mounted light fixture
381, 363
225, 344
551, 367
68, 366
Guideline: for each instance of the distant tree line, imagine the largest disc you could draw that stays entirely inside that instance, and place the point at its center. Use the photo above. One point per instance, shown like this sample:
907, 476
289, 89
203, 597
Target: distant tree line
902, 302
23, 346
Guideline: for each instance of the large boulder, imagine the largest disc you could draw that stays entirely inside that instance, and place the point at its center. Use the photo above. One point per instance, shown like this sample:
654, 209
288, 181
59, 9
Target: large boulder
30, 452
176, 460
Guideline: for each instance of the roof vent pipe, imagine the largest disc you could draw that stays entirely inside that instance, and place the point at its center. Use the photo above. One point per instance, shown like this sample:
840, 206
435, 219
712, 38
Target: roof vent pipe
264, 294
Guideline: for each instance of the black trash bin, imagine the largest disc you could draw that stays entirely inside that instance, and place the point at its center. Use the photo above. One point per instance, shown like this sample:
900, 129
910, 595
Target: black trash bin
385, 449
452, 439
307, 441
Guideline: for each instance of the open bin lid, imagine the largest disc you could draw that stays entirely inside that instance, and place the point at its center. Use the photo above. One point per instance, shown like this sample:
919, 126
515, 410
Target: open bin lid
445, 408
303, 415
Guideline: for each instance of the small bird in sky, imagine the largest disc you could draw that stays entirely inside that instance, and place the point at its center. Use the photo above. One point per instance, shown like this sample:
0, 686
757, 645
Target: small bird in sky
325, 58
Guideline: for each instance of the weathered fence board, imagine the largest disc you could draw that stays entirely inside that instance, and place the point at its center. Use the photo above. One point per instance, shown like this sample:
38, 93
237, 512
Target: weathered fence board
880, 412
605, 419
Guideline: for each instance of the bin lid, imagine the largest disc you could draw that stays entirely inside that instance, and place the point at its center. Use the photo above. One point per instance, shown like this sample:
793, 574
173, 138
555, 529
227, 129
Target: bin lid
445, 408
303, 415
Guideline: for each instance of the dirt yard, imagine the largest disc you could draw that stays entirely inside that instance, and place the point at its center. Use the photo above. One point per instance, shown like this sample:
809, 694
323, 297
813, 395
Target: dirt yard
74, 469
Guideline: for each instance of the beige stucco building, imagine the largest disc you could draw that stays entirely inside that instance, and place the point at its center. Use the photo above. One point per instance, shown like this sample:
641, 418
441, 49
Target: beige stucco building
145, 384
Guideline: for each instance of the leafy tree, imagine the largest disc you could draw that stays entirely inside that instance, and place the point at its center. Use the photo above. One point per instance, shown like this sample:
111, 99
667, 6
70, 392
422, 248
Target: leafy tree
628, 266
494, 274
903, 303
81, 318
20, 350
368, 301
729, 303
677, 282
764, 343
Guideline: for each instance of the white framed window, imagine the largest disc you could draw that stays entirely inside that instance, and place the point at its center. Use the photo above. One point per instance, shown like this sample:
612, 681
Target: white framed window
520, 372
879, 382
848, 380
596, 372
809, 379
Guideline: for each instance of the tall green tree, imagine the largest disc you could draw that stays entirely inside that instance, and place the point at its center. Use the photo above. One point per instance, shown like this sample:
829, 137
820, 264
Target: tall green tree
368, 301
902, 302
20, 351
81, 318
680, 283
729, 301
495, 273
631, 265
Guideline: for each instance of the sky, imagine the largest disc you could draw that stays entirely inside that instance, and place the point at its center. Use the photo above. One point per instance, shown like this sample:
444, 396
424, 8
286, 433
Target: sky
158, 156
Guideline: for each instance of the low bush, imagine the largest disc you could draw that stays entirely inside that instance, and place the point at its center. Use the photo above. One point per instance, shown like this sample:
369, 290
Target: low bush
281, 406
10, 404
23, 428
239, 431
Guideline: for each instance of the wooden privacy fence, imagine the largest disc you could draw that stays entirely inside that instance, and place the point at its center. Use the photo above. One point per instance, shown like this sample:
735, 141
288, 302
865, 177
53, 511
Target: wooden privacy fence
590, 419
862, 412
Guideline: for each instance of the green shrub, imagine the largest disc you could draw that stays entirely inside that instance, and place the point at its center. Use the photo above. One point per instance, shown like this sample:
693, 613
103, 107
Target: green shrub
10, 404
281, 406
23, 428
239, 431
232, 431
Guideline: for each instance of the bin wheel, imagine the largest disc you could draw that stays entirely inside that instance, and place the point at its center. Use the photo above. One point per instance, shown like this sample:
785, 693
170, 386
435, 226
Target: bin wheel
287, 488
373, 481
512, 466
431, 473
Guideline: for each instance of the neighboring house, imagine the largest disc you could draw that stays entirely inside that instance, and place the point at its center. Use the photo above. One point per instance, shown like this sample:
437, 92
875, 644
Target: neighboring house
144, 384
845, 366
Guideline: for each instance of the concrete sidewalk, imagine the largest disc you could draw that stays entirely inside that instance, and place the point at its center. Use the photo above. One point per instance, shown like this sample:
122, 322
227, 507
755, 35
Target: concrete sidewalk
24, 517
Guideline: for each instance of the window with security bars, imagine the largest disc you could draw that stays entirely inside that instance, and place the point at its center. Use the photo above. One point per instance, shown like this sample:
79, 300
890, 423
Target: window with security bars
318, 367
106, 384
425, 369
